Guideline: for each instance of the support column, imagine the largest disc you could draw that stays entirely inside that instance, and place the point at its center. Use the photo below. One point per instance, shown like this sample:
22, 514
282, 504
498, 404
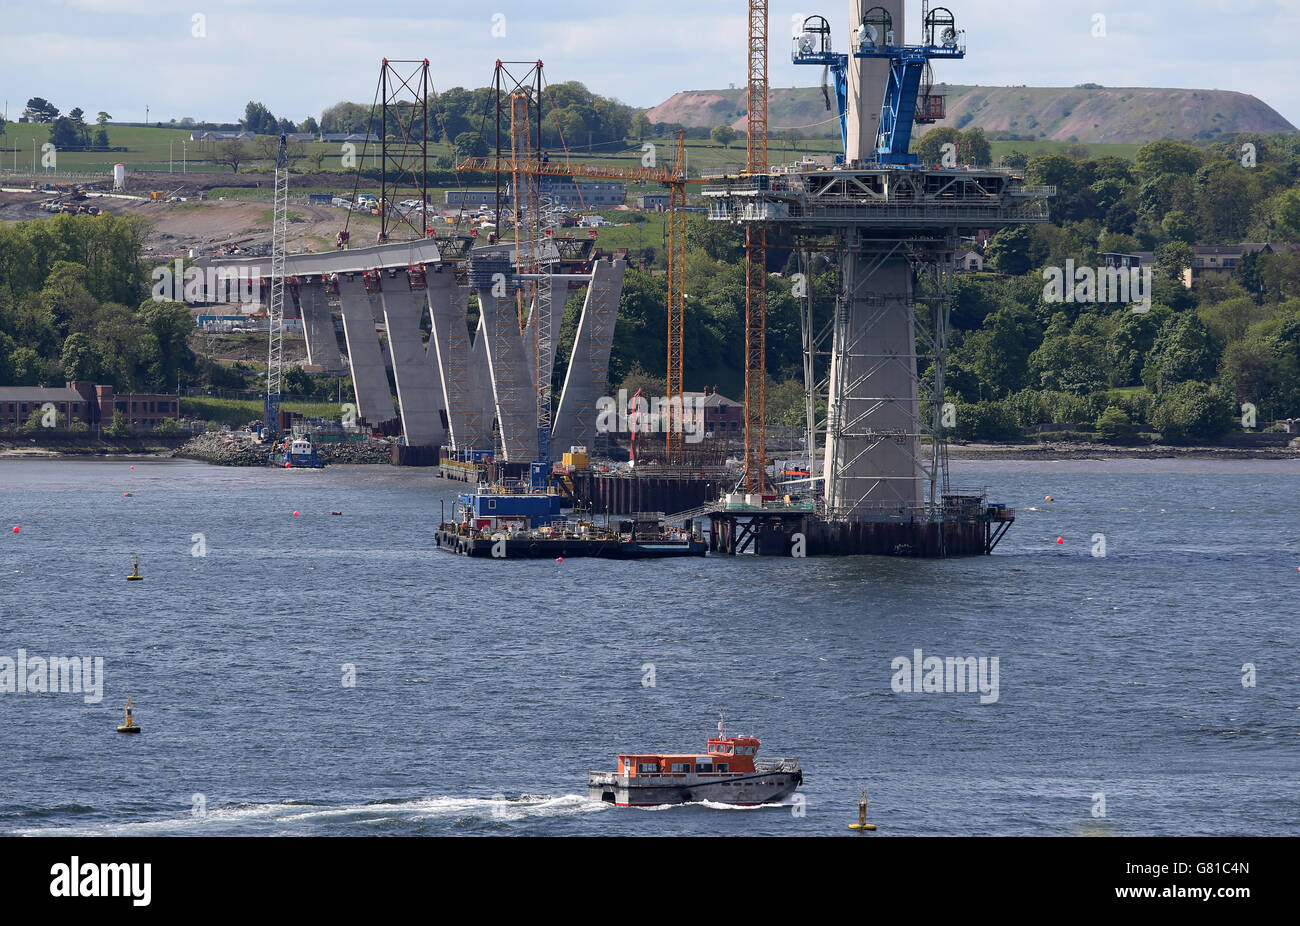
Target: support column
512, 389
873, 466
449, 345
587, 378
419, 388
369, 378
318, 326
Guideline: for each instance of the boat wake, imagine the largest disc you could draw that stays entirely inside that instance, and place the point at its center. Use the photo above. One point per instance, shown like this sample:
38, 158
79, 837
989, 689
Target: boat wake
300, 817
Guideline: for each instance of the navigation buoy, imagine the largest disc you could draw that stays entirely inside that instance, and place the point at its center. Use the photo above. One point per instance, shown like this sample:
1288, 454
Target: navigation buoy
295, 514
133, 467
126, 494
862, 824
559, 559
129, 726
135, 571
16, 529
1060, 540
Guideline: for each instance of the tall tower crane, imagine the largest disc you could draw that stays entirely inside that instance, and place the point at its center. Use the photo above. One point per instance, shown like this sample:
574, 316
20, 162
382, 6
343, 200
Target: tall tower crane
756, 260
275, 315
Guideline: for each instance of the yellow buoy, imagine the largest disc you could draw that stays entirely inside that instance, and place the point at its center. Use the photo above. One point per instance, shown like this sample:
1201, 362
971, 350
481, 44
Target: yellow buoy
129, 726
862, 823
135, 571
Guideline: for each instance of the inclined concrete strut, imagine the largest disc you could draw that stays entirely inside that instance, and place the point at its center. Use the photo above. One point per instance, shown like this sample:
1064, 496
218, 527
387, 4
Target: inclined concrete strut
318, 325
419, 388
369, 379
588, 373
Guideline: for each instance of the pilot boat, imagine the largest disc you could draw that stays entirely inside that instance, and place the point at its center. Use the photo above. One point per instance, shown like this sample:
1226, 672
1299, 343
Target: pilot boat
728, 772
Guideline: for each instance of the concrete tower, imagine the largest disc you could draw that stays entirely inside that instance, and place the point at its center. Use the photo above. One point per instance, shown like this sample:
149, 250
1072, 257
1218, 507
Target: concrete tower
867, 79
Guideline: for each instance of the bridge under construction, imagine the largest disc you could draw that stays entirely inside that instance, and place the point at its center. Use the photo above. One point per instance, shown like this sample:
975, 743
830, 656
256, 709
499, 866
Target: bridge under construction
893, 228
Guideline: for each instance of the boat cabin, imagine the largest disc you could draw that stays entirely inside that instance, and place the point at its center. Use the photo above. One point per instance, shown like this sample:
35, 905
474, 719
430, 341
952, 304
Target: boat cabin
726, 756
492, 510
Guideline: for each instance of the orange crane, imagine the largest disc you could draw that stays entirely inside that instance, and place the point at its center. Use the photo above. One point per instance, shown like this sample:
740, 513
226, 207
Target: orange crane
756, 261
675, 179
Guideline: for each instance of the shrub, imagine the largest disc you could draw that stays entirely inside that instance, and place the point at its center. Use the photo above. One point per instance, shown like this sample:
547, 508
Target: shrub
1113, 424
987, 420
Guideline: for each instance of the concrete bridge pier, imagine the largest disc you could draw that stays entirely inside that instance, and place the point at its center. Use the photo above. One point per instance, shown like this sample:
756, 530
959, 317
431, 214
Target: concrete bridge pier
360, 309
318, 325
419, 388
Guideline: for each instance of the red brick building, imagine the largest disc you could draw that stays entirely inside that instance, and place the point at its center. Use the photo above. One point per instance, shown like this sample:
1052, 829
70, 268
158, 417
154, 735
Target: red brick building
18, 402
86, 402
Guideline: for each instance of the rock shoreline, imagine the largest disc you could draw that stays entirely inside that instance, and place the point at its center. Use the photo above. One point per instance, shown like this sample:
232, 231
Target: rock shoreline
974, 451
222, 448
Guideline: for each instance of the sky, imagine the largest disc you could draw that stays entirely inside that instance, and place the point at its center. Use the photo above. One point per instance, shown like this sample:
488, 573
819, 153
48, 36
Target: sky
207, 58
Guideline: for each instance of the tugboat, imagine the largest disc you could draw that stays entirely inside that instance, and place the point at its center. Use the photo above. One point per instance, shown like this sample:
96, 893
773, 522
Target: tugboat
297, 453
728, 773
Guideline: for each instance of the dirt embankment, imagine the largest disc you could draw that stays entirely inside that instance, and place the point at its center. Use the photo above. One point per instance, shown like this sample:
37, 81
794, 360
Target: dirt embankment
203, 225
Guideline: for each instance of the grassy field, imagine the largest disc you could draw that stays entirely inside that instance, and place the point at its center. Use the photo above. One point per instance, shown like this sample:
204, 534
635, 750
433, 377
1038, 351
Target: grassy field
171, 148
239, 412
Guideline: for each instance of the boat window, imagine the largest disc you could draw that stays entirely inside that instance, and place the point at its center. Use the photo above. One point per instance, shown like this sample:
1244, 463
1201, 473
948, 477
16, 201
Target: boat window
722, 767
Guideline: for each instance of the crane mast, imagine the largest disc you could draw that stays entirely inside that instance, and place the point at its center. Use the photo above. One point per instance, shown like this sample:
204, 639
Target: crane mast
756, 261
275, 313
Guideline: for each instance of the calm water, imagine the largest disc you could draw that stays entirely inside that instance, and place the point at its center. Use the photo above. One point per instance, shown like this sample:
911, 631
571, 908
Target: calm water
484, 691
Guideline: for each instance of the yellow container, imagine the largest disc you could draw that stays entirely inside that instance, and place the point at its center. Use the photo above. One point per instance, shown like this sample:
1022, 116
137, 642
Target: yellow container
576, 460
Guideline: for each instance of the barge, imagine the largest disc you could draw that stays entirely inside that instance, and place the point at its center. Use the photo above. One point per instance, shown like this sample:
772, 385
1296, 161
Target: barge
514, 522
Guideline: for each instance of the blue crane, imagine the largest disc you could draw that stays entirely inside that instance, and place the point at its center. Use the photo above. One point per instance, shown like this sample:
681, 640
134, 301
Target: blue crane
907, 98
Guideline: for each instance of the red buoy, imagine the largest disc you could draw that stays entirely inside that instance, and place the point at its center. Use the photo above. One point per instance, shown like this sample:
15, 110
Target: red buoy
559, 559
15, 528
1060, 540
295, 514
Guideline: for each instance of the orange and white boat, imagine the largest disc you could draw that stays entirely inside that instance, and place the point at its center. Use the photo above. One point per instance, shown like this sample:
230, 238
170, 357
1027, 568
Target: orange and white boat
728, 773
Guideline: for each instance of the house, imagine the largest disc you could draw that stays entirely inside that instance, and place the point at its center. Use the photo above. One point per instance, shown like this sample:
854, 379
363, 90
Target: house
222, 136
1216, 262
1128, 261
723, 417
970, 262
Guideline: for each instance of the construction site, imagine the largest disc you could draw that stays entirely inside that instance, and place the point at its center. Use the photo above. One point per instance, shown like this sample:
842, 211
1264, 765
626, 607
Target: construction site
451, 341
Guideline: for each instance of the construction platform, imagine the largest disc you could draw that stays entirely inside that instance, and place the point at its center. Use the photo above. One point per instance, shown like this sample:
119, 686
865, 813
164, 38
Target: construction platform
966, 525
657, 488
